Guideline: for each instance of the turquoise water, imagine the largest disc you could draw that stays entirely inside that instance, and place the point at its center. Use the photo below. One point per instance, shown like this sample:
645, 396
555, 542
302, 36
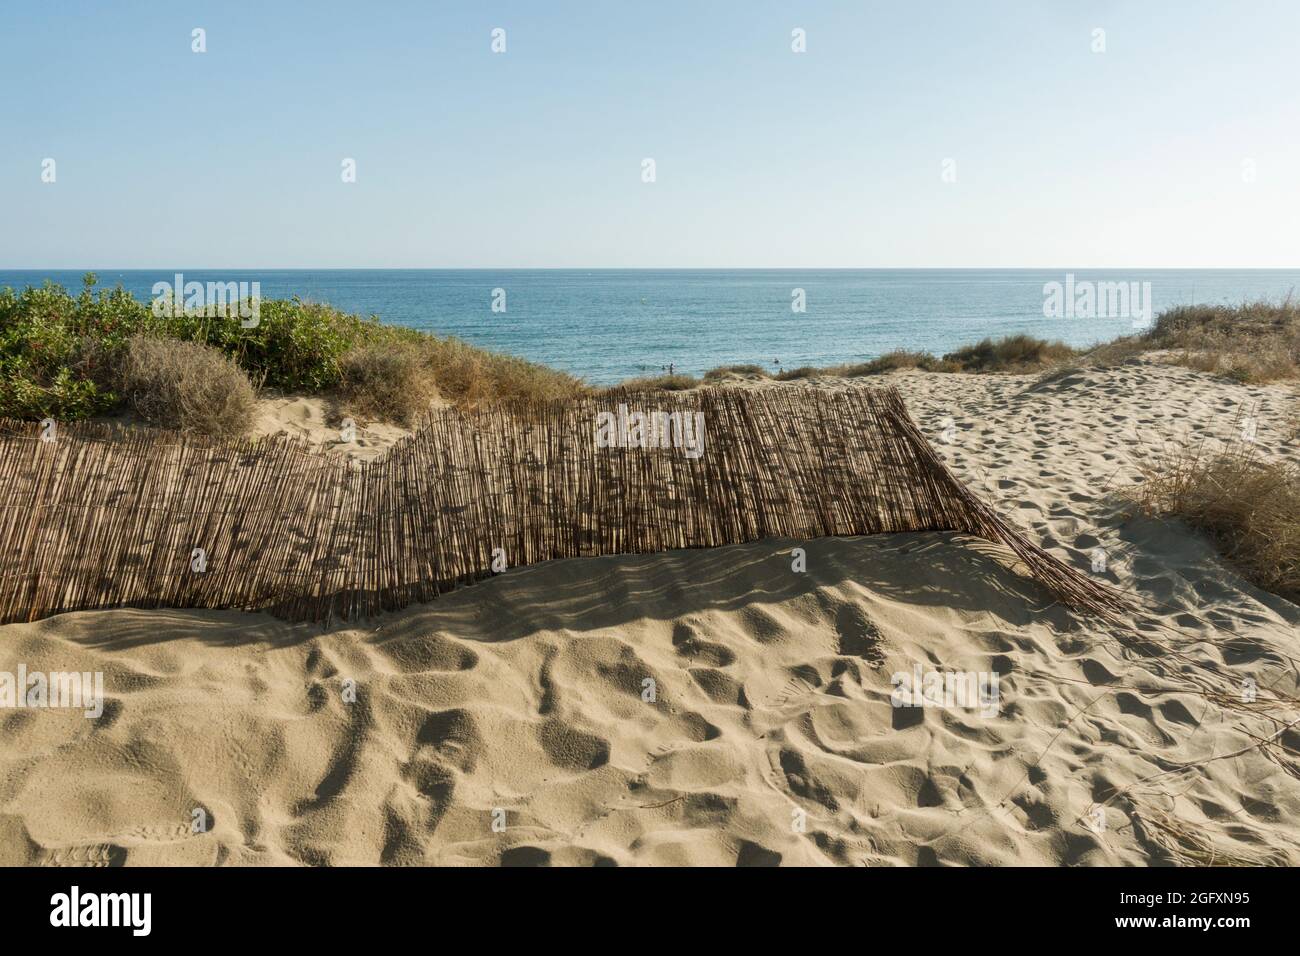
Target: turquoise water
606, 325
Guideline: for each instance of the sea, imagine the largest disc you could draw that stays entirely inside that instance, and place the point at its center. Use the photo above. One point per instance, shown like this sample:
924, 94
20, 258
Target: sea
606, 325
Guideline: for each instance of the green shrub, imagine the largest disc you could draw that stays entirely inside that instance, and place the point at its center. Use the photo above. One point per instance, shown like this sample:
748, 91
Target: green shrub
58, 352
50, 343
295, 345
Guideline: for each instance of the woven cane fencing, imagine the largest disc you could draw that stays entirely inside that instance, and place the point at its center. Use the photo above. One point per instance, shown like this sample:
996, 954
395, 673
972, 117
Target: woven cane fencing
104, 517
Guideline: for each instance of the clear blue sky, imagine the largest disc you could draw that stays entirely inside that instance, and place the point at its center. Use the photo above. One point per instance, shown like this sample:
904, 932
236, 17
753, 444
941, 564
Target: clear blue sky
765, 158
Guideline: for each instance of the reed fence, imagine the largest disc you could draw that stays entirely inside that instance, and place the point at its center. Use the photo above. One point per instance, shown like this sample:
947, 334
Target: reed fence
107, 517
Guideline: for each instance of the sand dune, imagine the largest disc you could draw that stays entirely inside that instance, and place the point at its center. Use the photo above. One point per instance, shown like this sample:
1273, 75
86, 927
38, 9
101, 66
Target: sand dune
311, 419
509, 723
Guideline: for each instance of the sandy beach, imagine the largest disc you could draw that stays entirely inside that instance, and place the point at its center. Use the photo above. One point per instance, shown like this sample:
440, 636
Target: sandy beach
508, 723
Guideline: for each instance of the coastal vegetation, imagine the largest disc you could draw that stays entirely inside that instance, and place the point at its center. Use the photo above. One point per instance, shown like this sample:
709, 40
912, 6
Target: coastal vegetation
69, 357
1252, 342
1248, 505
185, 385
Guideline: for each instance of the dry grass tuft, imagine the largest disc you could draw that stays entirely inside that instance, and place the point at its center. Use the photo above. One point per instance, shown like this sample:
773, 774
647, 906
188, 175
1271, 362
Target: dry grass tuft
725, 371
186, 386
676, 382
388, 380
395, 373
1186, 844
802, 372
1252, 342
1015, 353
470, 377
1250, 507
1115, 352
898, 359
